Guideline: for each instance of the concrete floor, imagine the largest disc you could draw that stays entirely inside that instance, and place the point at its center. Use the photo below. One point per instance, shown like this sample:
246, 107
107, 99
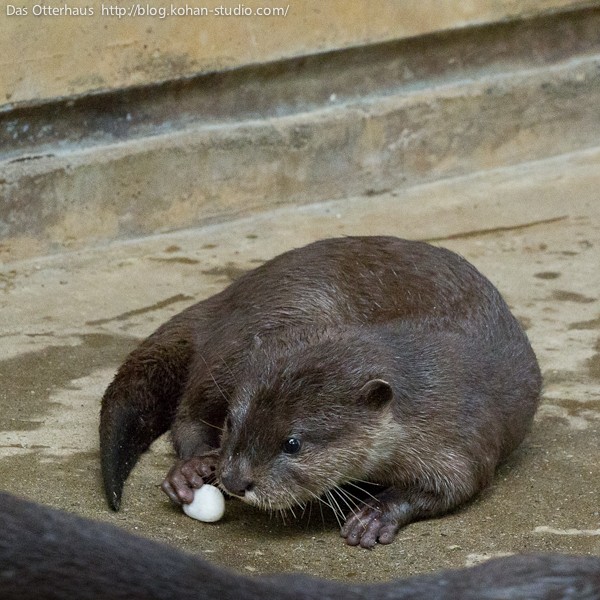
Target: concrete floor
67, 321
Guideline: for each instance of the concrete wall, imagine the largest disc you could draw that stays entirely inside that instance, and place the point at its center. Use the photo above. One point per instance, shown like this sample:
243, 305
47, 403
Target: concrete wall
256, 115
47, 56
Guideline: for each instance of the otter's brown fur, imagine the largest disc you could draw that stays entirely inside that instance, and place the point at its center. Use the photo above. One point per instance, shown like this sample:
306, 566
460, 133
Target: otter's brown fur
49, 555
353, 359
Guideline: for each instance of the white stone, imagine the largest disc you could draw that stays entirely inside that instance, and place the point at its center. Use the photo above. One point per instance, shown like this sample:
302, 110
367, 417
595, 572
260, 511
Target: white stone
208, 504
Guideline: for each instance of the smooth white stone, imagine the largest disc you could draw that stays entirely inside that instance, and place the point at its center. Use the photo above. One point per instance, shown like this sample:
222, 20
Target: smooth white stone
208, 504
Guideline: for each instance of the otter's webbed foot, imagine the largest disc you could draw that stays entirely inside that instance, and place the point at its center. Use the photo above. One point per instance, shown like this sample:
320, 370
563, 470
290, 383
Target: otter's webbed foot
378, 520
187, 475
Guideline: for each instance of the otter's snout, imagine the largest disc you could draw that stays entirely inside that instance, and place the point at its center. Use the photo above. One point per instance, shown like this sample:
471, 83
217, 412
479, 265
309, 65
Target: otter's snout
237, 482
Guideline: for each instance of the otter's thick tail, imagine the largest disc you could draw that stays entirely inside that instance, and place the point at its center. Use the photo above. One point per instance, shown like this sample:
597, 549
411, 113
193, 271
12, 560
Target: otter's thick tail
139, 405
51, 555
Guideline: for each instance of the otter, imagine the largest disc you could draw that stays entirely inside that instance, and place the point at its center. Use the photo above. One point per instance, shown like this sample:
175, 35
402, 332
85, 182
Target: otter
350, 360
52, 555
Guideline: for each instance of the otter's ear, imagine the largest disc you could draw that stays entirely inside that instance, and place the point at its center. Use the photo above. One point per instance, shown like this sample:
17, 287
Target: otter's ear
376, 391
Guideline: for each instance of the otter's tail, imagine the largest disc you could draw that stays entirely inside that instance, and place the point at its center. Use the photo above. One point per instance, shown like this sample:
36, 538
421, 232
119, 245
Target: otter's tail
139, 405
62, 556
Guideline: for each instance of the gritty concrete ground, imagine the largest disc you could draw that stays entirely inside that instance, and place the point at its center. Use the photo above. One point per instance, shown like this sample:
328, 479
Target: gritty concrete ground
67, 321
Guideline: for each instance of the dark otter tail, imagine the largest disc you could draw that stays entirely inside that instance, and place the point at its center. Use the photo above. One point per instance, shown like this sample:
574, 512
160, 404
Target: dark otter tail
51, 555
139, 405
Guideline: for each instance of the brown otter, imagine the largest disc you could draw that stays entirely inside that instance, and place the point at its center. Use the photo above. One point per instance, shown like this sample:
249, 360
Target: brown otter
349, 360
50, 555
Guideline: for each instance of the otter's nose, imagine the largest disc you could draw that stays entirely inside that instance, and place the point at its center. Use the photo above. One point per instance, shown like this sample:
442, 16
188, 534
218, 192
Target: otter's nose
236, 485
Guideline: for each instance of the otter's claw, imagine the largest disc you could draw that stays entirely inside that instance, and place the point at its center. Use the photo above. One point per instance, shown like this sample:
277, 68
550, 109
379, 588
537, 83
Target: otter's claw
187, 475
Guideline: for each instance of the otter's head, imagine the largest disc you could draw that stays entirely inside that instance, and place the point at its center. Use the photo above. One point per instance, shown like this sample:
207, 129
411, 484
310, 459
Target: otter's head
304, 428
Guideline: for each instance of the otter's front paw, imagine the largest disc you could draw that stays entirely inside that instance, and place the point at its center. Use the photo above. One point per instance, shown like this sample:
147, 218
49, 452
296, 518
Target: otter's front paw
370, 525
187, 475
379, 519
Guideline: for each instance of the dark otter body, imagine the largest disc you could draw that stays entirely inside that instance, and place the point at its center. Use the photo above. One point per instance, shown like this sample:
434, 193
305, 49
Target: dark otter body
354, 359
49, 555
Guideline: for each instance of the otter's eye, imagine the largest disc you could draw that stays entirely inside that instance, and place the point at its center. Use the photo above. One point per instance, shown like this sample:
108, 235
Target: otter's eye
291, 445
